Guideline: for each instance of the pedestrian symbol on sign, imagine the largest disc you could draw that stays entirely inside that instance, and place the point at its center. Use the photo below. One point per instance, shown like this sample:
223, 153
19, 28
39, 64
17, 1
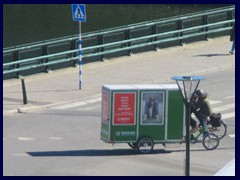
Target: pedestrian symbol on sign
78, 12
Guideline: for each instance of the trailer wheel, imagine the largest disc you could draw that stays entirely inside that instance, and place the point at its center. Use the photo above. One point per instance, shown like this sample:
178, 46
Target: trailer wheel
145, 145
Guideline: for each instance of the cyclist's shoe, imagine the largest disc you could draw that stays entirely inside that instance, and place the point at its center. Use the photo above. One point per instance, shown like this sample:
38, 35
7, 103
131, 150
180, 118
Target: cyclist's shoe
192, 139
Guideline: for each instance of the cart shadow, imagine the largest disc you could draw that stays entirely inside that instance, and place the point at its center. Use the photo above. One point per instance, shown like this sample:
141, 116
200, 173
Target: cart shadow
93, 152
110, 152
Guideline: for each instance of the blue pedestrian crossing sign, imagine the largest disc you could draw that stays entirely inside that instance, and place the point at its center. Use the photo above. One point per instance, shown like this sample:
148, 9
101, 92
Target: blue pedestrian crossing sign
79, 12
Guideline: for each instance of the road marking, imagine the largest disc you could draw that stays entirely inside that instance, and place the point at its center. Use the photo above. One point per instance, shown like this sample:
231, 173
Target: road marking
215, 102
228, 115
76, 104
96, 96
20, 154
3, 139
232, 135
25, 138
70, 105
55, 138
93, 100
90, 108
229, 97
225, 107
224, 116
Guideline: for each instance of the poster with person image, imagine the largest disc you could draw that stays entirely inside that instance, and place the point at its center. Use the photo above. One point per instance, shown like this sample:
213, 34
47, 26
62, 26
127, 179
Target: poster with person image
152, 107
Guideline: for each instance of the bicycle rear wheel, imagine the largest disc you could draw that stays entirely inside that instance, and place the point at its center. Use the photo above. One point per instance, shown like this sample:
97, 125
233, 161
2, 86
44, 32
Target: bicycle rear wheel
220, 131
210, 141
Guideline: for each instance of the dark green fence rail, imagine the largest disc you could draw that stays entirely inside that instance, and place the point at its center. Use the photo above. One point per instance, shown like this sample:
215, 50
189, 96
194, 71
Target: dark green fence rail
125, 40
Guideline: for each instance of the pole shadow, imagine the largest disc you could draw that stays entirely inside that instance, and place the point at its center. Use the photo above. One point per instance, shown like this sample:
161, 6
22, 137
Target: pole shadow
211, 55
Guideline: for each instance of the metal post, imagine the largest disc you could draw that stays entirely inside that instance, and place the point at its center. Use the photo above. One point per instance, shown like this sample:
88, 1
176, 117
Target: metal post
187, 123
45, 52
16, 57
180, 27
100, 42
24, 91
154, 31
205, 22
80, 56
187, 90
128, 36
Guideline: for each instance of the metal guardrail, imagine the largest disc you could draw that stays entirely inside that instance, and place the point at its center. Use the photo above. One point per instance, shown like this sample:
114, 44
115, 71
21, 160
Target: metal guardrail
177, 30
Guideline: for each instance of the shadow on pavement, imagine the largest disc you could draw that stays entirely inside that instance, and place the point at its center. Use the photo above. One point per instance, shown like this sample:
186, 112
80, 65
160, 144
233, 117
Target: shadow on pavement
212, 55
110, 152
94, 152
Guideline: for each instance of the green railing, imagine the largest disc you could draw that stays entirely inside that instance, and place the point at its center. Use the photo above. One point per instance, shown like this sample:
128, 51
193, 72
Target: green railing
125, 40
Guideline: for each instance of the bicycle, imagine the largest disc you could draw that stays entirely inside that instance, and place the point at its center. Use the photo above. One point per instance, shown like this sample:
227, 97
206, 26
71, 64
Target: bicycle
209, 140
216, 125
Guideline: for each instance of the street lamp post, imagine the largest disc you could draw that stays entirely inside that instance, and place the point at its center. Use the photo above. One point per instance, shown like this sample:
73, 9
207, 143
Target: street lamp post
187, 85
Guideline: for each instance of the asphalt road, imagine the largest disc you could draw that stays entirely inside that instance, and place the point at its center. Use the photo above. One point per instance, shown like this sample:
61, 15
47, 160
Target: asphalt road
64, 140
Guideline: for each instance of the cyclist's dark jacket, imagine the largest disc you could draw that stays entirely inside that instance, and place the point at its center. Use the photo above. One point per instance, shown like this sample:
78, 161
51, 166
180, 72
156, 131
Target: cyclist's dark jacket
205, 109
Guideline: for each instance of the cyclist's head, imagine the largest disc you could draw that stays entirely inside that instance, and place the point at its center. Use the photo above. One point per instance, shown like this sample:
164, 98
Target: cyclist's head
201, 94
195, 97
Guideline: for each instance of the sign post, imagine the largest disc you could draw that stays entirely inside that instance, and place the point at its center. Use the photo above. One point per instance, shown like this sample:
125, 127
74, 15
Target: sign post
79, 14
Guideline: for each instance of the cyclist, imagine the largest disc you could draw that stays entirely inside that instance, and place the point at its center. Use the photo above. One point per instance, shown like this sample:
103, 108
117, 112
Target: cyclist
201, 108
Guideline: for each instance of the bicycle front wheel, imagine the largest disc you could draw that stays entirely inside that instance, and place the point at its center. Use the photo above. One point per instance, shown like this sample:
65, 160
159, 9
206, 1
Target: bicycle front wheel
210, 141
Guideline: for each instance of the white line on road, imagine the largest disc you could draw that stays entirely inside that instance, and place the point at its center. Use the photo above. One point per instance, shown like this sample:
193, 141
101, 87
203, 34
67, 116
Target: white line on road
26, 138
20, 154
93, 100
90, 108
223, 108
224, 116
228, 115
229, 97
232, 135
76, 104
215, 102
70, 105
96, 96
55, 138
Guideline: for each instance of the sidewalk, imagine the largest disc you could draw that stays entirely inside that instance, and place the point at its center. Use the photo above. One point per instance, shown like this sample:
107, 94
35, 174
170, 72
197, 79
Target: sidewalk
152, 67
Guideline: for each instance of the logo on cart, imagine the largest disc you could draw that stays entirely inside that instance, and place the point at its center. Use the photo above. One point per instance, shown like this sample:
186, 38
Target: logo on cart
125, 133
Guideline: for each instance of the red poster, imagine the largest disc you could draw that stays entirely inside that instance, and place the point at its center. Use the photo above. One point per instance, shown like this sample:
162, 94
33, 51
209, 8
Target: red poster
124, 108
105, 106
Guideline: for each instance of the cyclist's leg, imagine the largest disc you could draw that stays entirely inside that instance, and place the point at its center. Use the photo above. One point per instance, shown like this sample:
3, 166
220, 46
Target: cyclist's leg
203, 123
194, 125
